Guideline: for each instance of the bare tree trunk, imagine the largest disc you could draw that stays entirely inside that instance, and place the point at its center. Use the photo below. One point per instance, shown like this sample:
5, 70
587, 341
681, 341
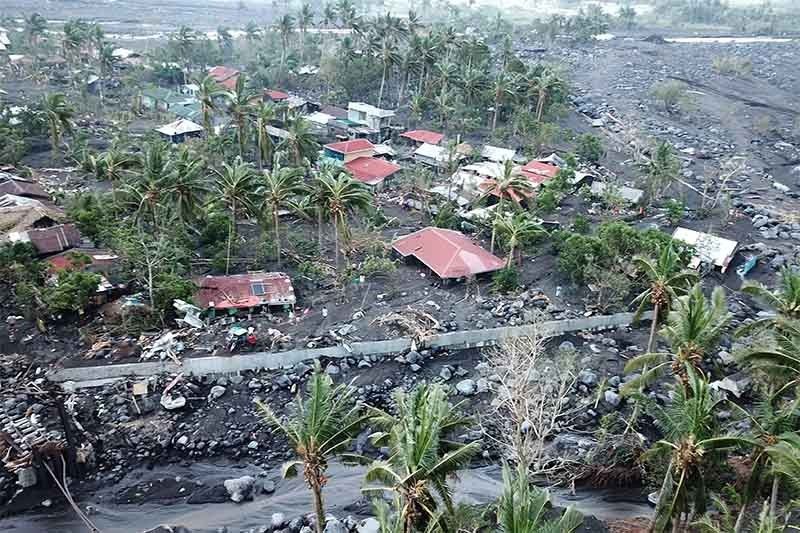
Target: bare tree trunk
319, 511
496, 112
230, 238
773, 501
336, 244
319, 229
383, 82
653, 326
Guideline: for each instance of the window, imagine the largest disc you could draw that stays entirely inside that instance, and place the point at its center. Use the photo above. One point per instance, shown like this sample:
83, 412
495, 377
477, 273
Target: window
259, 289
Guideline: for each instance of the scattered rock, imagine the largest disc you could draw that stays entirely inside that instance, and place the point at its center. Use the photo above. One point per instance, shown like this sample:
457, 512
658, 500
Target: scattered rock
466, 387
241, 488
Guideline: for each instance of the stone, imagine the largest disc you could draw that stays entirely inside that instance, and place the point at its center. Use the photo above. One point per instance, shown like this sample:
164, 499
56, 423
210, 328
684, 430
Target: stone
332, 369
483, 385
333, 525
171, 403
240, 489
268, 487
369, 525
466, 387
183, 440
446, 373
587, 377
278, 520
26, 477
217, 391
413, 357
612, 398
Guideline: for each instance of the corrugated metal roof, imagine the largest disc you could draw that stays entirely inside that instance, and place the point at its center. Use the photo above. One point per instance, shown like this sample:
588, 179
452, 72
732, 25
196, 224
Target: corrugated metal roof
53, 239
371, 170
276, 95
19, 187
348, 147
180, 127
493, 153
450, 254
222, 73
708, 248
423, 136
244, 291
539, 172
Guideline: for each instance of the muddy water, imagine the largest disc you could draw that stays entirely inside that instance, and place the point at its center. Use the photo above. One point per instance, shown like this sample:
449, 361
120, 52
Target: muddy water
480, 485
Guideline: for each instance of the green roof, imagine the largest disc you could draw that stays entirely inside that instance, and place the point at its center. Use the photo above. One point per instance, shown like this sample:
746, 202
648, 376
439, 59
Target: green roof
190, 111
157, 93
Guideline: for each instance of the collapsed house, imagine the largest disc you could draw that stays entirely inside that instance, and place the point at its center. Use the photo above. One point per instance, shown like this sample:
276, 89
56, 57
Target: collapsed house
447, 253
104, 263
44, 227
245, 291
708, 249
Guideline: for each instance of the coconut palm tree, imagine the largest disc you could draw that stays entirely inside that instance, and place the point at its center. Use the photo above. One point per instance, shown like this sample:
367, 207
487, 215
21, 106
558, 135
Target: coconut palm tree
252, 32
114, 165
510, 186
693, 327
666, 282
544, 84
421, 456
693, 444
185, 39
516, 230
328, 15
284, 27
300, 143
522, 507
321, 427
35, 27
347, 12
186, 186
207, 91
235, 187
225, 40
240, 106
784, 301
386, 50
341, 195
264, 113
278, 190
145, 192
504, 86
305, 18
58, 116
106, 62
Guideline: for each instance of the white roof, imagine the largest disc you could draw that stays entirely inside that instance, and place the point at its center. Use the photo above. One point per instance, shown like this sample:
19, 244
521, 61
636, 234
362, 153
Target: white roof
438, 153
489, 169
15, 57
370, 110
295, 101
122, 53
708, 248
627, 193
384, 149
307, 69
12, 200
276, 132
553, 159
493, 153
320, 118
179, 127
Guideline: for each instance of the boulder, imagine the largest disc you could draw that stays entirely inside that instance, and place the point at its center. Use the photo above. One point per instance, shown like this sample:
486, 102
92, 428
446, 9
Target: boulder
217, 391
369, 525
466, 387
170, 402
240, 488
278, 520
612, 398
333, 525
587, 377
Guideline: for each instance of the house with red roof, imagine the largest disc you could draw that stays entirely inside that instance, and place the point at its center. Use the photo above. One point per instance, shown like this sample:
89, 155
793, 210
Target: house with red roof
275, 95
539, 172
225, 76
346, 151
449, 254
371, 170
420, 137
244, 291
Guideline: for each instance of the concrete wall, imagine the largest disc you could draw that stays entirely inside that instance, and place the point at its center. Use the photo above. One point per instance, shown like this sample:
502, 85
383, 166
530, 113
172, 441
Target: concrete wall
199, 366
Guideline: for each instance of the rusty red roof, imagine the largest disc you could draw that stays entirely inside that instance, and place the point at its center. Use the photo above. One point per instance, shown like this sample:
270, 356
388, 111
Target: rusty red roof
222, 73
244, 291
53, 239
423, 136
98, 259
539, 172
275, 95
25, 188
450, 254
348, 147
371, 170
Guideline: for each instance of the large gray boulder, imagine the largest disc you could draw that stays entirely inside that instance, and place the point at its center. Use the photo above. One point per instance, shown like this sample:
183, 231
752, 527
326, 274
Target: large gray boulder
240, 488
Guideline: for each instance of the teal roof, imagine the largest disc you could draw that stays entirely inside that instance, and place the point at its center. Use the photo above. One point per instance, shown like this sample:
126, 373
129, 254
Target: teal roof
157, 93
190, 111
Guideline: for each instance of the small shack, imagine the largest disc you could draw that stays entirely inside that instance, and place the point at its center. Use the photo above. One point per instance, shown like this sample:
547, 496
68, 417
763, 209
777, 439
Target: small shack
708, 249
180, 130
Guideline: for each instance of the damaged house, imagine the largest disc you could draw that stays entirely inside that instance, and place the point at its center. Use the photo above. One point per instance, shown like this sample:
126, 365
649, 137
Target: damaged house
26, 220
245, 291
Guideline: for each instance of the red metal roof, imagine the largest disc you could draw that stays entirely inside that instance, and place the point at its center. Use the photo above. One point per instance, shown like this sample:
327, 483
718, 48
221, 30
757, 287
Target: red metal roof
448, 253
98, 259
222, 73
539, 172
348, 147
54, 239
243, 291
275, 95
423, 136
371, 170
23, 188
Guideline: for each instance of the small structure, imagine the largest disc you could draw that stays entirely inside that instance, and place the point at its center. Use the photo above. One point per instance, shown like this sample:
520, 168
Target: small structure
369, 115
22, 187
191, 111
180, 130
498, 155
539, 172
245, 291
156, 99
273, 95
420, 137
449, 254
334, 111
346, 151
48, 240
629, 194
226, 77
709, 249
371, 170
101, 262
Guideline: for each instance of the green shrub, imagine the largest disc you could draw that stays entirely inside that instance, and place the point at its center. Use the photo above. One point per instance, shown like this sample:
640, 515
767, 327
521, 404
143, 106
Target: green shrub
733, 66
590, 148
670, 93
505, 280
581, 225
676, 210
169, 286
374, 266
579, 251
546, 201
71, 292
447, 217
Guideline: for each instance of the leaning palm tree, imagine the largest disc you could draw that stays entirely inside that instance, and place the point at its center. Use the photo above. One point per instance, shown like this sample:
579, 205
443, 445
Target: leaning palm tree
693, 327
186, 186
504, 86
342, 195
35, 28
285, 27
421, 456
321, 427
264, 113
510, 186
207, 91
522, 507
784, 301
666, 282
693, 444
278, 190
544, 84
240, 106
145, 192
106, 61
58, 115
305, 18
300, 143
515, 230
235, 187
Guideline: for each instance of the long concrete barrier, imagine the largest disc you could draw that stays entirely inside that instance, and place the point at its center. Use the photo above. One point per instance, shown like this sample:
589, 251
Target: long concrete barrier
199, 366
